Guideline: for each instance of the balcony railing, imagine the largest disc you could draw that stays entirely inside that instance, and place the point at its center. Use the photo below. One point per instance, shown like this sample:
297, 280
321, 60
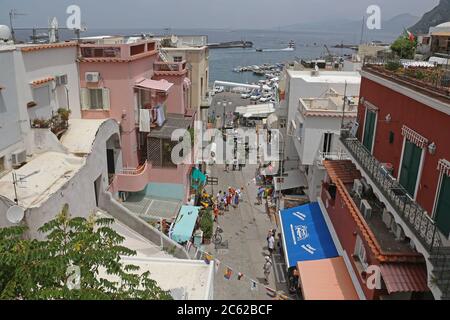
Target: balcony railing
162, 66
411, 212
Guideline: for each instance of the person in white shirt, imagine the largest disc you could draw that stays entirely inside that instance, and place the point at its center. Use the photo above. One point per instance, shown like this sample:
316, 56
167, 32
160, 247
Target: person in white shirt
271, 243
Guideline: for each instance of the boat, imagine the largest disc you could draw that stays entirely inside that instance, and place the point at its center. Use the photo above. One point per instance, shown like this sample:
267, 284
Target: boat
231, 44
291, 47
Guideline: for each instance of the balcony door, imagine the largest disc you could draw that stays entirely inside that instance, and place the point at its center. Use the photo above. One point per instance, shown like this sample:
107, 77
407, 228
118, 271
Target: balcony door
369, 129
442, 216
409, 170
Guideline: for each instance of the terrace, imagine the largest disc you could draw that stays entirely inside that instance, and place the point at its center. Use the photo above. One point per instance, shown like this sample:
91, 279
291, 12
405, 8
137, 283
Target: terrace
170, 68
422, 77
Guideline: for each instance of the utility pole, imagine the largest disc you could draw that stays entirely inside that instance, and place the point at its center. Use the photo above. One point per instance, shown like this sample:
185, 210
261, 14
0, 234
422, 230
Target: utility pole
343, 106
362, 30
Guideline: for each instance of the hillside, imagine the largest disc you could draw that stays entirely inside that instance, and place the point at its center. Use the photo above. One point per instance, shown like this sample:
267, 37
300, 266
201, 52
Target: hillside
438, 15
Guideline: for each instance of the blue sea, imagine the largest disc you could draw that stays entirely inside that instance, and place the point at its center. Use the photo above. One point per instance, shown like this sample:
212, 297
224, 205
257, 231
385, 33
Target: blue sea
309, 45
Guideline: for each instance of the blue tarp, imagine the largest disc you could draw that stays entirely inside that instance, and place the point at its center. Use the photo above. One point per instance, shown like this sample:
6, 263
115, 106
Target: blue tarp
306, 235
185, 224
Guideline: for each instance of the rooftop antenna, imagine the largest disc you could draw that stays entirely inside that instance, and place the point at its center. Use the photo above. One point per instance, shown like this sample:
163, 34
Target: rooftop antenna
362, 30
12, 15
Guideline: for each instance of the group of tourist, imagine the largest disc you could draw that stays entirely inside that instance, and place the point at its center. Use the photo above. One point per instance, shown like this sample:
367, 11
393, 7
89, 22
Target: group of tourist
226, 199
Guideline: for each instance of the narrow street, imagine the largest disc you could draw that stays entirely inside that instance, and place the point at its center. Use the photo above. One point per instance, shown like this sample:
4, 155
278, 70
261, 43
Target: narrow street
245, 228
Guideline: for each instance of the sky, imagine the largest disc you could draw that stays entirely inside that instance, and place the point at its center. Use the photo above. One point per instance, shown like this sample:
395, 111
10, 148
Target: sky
195, 14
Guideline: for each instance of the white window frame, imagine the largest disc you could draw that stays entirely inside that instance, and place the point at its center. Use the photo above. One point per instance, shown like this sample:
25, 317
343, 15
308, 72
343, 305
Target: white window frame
86, 99
419, 173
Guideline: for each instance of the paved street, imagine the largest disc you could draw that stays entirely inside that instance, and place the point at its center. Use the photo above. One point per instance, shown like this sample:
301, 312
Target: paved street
245, 228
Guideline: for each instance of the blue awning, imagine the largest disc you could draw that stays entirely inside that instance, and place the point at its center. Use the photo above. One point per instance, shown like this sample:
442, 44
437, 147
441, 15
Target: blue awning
306, 235
185, 223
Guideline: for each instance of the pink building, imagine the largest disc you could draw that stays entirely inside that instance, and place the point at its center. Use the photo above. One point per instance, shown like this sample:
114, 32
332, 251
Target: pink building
125, 79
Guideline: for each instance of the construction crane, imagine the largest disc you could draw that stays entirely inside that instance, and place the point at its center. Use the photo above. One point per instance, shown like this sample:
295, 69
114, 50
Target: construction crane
329, 57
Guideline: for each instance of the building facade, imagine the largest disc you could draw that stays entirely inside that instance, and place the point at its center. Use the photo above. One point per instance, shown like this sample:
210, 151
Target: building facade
400, 150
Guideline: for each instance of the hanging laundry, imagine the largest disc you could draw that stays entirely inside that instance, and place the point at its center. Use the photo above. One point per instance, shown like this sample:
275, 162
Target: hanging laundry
161, 117
144, 120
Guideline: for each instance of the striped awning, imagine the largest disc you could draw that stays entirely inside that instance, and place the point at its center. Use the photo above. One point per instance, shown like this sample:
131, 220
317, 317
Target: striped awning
404, 277
444, 166
414, 137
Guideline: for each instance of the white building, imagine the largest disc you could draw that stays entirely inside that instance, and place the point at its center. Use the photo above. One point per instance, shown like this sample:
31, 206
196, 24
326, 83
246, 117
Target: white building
315, 129
36, 81
312, 84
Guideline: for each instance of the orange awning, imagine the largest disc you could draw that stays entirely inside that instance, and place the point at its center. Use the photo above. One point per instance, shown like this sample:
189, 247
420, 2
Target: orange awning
326, 279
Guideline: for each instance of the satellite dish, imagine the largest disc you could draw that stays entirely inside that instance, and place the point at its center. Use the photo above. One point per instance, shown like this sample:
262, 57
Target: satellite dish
5, 33
174, 39
15, 214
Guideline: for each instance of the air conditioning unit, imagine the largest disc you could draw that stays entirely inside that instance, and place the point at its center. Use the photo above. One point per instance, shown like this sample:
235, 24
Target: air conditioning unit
358, 187
387, 218
366, 209
399, 233
92, 76
61, 80
18, 157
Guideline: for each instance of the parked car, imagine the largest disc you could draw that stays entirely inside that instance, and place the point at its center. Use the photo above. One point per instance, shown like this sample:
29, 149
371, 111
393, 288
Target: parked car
265, 99
246, 95
255, 97
219, 89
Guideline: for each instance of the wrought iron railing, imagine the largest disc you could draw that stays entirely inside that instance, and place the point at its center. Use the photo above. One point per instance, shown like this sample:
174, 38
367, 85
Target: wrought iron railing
412, 213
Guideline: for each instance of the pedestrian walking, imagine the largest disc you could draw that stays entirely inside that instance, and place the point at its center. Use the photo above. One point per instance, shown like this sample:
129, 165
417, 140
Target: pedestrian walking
259, 195
216, 213
271, 242
227, 166
267, 268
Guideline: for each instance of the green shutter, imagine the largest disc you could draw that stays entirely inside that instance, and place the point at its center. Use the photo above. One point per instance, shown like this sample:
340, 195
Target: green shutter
369, 129
443, 207
410, 167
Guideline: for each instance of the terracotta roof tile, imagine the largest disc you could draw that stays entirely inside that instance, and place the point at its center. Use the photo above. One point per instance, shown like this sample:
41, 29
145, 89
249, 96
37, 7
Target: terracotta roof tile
48, 46
344, 170
42, 81
404, 277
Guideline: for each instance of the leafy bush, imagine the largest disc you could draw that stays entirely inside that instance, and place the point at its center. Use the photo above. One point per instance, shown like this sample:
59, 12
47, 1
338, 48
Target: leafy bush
393, 65
33, 269
404, 47
207, 224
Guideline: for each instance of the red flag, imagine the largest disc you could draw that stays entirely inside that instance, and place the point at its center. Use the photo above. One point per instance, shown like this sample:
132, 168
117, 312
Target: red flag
411, 37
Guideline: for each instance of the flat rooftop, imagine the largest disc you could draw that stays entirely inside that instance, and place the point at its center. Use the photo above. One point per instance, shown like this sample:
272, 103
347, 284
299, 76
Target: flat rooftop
41, 177
327, 76
173, 122
80, 136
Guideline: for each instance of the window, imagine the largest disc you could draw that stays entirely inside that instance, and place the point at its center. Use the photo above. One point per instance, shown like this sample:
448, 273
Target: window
95, 99
443, 206
409, 170
327, 138
360, 253
178, 59
369, 129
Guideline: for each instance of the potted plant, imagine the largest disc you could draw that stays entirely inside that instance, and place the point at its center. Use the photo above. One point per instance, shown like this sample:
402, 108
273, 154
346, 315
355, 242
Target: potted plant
207, 225
64, 114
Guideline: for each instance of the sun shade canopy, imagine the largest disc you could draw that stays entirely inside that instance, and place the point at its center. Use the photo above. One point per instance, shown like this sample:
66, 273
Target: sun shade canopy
305, 235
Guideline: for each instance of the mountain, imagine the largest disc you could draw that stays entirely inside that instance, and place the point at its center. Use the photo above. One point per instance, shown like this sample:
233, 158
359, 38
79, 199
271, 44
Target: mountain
438, 15
395, 25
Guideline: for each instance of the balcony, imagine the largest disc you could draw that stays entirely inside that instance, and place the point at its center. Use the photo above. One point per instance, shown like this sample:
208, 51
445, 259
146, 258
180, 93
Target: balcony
162, 68
420, 224
132, 179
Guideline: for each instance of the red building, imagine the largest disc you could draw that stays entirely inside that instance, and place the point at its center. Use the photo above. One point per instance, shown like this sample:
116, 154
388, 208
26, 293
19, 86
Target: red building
400, 151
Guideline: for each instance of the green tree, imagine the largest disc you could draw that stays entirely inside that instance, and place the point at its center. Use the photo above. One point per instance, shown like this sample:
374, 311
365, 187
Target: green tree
32, 269
404, 47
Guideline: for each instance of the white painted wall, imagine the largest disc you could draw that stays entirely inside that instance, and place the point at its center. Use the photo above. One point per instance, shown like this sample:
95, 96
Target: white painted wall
78, 192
